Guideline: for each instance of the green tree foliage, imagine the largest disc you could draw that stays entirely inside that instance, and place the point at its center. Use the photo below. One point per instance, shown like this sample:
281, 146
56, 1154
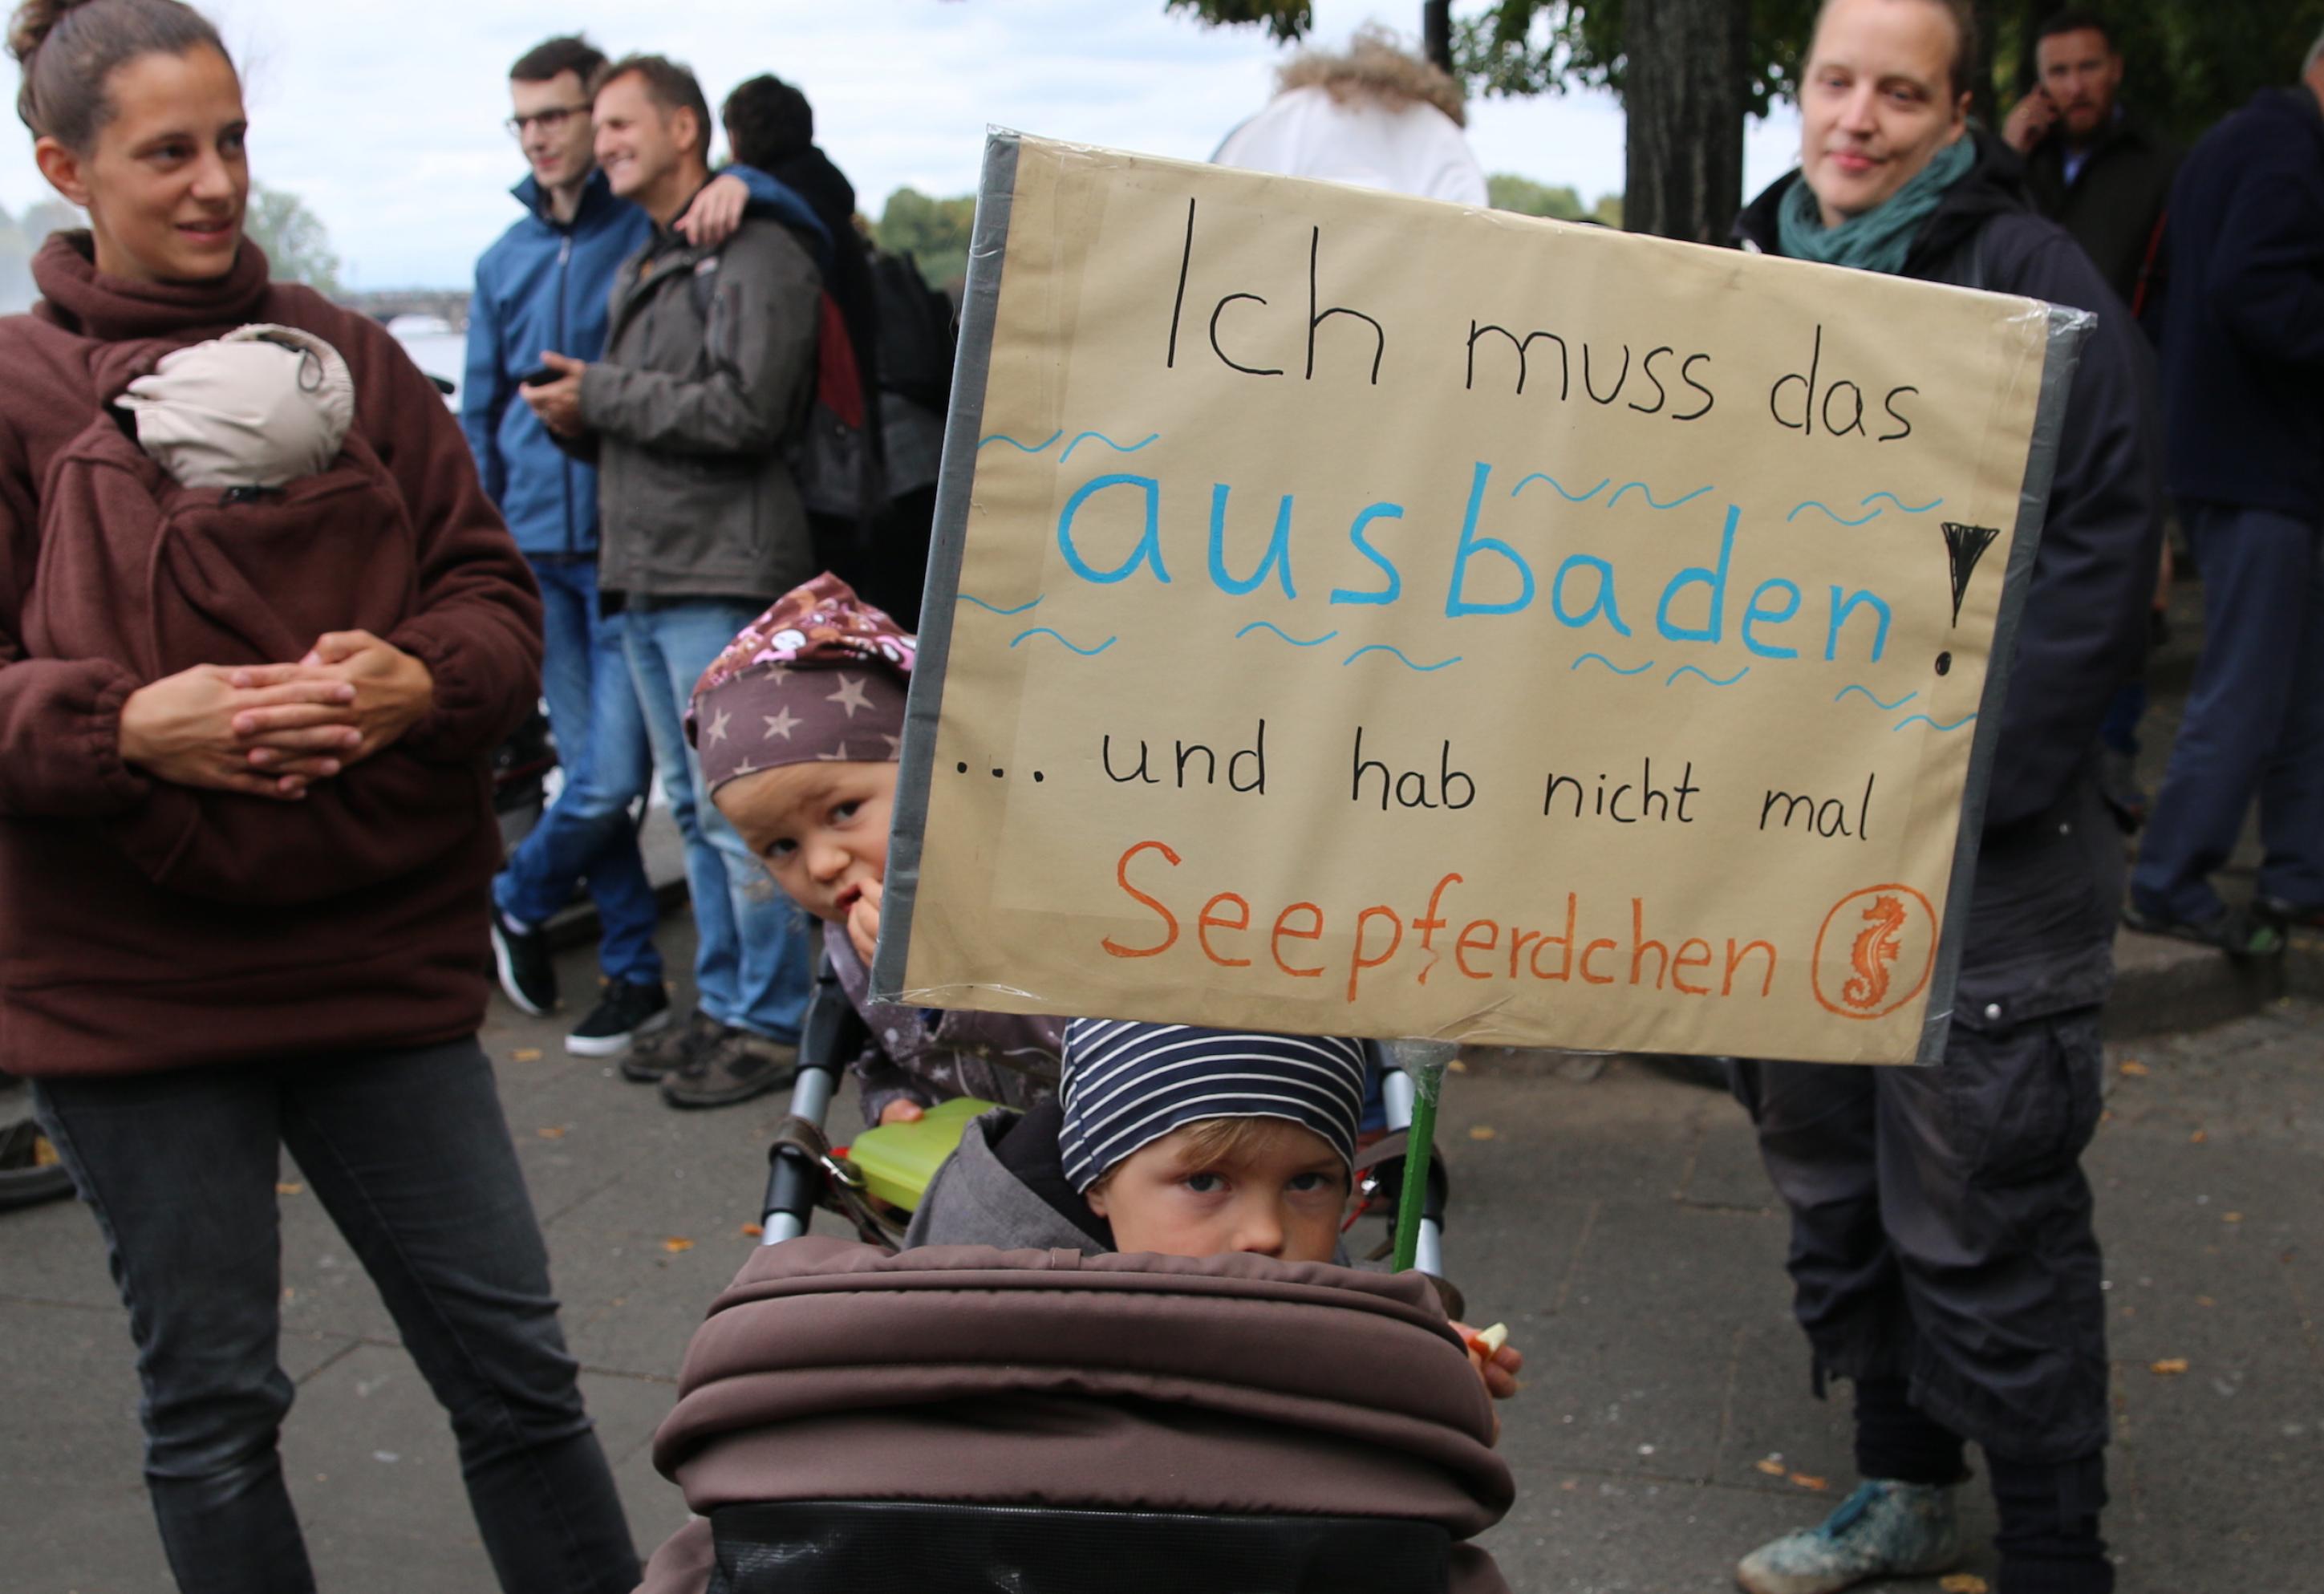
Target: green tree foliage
2188, 62
297, 248
934, 232
1505, 191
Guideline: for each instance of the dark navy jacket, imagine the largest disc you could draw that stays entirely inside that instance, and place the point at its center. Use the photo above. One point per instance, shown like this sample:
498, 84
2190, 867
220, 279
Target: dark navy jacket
2047, 891
2242, 352
545, 285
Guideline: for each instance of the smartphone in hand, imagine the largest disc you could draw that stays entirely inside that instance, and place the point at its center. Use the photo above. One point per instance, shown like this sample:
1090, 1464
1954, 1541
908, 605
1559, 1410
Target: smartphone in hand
542, 377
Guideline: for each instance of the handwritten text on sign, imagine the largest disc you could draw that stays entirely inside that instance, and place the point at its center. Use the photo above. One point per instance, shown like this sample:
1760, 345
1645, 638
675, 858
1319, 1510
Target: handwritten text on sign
1376, 617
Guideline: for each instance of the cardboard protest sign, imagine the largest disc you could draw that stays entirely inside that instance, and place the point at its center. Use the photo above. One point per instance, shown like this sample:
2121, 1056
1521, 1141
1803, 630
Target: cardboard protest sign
1356, 614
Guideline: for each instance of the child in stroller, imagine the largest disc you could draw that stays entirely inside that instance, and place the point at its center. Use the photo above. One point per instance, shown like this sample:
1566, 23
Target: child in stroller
798, 724
1219, 1408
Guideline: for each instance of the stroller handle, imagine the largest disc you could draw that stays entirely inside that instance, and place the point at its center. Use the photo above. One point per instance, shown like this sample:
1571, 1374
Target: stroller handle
794, 1177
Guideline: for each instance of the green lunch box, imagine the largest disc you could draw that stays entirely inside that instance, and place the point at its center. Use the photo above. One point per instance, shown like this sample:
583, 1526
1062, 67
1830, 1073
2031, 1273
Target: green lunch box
897, 1160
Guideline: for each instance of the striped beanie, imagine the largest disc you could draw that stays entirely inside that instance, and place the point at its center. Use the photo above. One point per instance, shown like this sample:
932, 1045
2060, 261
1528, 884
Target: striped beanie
1128, 1085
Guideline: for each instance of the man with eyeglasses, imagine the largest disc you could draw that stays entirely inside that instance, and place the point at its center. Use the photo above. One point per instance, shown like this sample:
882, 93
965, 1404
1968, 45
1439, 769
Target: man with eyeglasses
544, 286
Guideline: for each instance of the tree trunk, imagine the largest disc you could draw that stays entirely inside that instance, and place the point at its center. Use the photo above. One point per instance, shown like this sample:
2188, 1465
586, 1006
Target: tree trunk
1436, 33
1684, 89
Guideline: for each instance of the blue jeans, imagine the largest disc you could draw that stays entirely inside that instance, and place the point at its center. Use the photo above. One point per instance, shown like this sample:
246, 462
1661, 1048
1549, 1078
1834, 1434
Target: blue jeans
590, 833
2255, 721
410, 1154
750, 962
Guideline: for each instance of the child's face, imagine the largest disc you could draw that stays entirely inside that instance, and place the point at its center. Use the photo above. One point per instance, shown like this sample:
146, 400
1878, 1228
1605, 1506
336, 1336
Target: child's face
821, 829
1280, 1193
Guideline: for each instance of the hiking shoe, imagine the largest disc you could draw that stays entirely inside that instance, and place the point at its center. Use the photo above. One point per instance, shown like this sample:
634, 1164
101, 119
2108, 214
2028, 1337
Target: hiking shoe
737, 1066
30, 1171
674, 1049
528, 974
2231, 930
2287, 915
628, 1010
1884, 1529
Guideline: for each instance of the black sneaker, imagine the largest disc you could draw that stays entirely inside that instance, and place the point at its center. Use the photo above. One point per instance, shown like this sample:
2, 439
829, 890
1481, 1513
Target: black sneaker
527, 972
2241, 934
676, 1048
737, 1066
628, 1010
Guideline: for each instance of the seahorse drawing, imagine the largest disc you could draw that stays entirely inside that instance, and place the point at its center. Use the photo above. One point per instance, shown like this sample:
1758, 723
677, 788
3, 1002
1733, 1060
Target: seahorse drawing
1875, 948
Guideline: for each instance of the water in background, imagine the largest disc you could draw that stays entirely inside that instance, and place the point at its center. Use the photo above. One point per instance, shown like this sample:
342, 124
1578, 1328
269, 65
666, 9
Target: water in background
433, 347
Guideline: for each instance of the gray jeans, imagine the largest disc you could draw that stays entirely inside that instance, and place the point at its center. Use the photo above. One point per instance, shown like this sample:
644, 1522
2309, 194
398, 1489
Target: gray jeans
410, 1153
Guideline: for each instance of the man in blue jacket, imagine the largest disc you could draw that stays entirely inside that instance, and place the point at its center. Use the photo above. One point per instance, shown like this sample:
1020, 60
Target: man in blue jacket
544, 285
2244, 362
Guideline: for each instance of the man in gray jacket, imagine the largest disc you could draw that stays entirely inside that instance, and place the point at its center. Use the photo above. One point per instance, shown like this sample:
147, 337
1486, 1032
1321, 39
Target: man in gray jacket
709, 366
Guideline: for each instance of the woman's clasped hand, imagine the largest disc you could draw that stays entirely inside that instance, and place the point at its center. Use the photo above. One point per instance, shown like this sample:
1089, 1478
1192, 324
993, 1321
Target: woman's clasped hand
273, 730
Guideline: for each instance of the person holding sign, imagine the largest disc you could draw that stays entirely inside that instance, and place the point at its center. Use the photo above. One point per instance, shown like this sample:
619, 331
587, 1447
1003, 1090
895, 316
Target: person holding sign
1943, 1250
798, 725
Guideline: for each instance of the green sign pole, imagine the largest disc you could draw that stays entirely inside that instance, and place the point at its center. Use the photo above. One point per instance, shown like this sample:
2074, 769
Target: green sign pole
1424, 1061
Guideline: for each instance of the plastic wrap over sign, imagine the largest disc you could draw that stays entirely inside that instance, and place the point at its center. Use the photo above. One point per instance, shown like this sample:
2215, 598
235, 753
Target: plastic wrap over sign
1356, 614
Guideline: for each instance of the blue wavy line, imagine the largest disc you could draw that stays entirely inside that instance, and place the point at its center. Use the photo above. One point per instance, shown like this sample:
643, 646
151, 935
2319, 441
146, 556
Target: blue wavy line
1922, 719
1891, 708
1649, 496
1685, 669
1024, 448
1109, 442
1019, 609
1043, 630
1610, 664
1900, 503
1798, 509
1384, 648
1286, 635
1552, 481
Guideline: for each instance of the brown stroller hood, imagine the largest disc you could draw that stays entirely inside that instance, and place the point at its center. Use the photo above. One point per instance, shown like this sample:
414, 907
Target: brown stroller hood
1232, 1386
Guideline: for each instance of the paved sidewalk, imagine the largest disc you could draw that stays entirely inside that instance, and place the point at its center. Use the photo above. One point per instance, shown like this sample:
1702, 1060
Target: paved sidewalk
1619, 1225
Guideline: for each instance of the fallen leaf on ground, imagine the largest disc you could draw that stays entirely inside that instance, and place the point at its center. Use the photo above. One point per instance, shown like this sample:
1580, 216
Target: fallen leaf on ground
1963, 1582
1771, 1467
525, 1055
754, 1230
1484, 1131
2197, 1138
2205, 1301
289, 1187
2134, 1068
1808, 1480
2231, 1217
2170, 1366
677, 1243
555, 1131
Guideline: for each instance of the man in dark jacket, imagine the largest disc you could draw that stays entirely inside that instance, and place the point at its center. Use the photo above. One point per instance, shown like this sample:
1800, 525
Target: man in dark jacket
2244, 360
543, 285
709, 366
2091, 166
1942, 1252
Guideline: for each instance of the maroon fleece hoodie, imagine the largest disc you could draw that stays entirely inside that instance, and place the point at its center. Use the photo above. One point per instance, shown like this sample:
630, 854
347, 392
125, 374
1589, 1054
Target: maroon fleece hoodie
146, 926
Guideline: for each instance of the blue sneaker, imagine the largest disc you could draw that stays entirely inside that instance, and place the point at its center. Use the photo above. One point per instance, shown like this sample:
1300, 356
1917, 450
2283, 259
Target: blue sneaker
1884, 1529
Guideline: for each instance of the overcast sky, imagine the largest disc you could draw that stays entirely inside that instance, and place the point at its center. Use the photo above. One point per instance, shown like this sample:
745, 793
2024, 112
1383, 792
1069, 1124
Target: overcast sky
384, 115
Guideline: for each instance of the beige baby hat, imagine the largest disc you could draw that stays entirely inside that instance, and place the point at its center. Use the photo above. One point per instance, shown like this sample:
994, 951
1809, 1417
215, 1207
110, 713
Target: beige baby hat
263, 406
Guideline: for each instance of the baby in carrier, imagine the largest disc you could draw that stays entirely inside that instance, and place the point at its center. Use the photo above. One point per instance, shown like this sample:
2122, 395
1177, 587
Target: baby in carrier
1178, 1141
259, 408
798, 725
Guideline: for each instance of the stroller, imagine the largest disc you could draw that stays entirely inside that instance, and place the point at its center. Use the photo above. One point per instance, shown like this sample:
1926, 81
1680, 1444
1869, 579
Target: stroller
961, 1420
875, 1182
964, 1420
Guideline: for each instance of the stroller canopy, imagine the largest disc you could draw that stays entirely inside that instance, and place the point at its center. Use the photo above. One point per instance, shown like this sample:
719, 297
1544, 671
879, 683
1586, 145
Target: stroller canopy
830, 1374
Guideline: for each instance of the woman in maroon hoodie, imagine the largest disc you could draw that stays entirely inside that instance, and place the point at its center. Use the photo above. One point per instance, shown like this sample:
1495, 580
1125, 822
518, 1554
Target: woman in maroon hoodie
245, 835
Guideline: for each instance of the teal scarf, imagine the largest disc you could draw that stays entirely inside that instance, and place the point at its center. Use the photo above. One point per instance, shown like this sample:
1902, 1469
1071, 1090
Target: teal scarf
1878, 239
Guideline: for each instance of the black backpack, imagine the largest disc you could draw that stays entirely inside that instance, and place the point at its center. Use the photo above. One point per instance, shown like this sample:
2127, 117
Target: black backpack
918, 331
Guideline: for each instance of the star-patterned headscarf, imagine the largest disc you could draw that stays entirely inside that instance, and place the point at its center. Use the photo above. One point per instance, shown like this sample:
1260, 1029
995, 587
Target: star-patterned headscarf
819, 676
